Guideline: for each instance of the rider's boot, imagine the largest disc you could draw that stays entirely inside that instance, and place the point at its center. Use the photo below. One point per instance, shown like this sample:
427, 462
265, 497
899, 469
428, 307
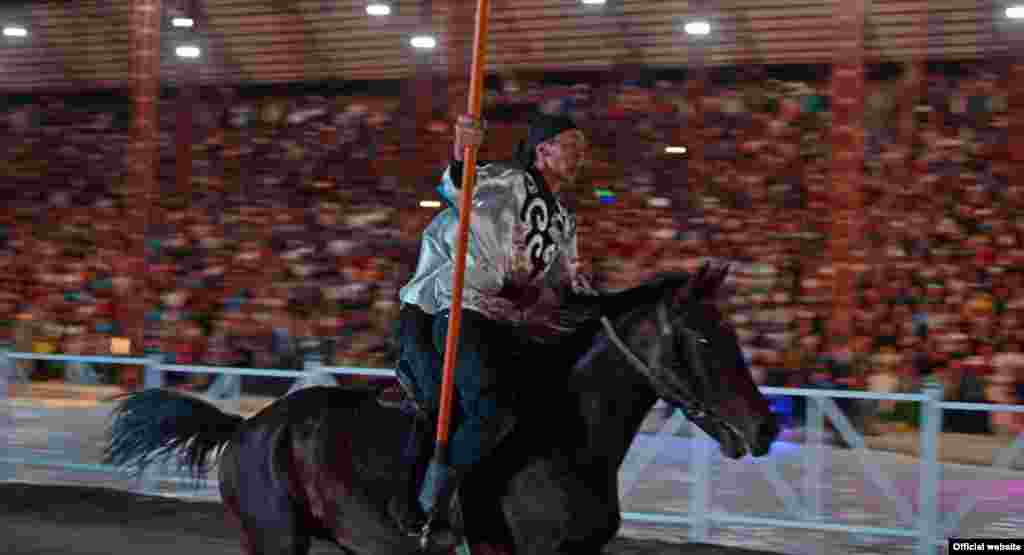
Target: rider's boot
439, 485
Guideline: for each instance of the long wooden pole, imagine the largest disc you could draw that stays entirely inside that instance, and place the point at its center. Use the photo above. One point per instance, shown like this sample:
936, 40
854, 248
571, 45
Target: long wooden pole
476, 85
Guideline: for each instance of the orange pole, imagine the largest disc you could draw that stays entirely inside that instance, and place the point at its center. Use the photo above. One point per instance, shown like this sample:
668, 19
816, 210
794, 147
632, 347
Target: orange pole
476, 85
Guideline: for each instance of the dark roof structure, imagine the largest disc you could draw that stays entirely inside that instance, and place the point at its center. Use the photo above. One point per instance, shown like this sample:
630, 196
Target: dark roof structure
85, 44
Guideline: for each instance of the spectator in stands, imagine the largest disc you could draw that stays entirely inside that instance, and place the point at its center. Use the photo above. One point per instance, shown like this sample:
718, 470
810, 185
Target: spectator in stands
955, 261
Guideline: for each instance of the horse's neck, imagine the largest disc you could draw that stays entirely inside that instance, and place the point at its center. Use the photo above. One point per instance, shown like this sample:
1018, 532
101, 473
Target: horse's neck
613, 402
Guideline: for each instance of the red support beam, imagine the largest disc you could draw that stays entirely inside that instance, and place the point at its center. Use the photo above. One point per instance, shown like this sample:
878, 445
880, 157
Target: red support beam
847, 137
1015, 101
913, 90
145, 83
187, 74
458, 49
184, 135
417, 108
696, 90
914, 86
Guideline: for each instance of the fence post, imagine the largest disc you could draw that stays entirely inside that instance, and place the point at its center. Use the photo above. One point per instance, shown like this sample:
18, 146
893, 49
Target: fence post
7, 471
814, 442
928, 488
641, 456
6, 375
700, 504
312, 363
153, 377
315, 374
235, 393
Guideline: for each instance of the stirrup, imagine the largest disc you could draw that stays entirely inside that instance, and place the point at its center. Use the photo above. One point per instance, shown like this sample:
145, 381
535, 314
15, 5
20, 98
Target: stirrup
425, 534
429, 537
409, 520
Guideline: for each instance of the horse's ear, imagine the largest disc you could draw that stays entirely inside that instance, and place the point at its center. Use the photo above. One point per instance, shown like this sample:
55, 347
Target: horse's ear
694, 285
705, 283
720, 276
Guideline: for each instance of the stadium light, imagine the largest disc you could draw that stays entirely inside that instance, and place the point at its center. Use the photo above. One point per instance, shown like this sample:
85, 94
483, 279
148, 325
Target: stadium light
430, 204
699, 28
187, 51
378, 9
15, 31
185, 22
593, 2
425, 42
1015, 12
675, 150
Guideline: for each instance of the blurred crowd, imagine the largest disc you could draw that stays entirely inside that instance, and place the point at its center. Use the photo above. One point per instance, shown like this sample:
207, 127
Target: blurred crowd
300, 223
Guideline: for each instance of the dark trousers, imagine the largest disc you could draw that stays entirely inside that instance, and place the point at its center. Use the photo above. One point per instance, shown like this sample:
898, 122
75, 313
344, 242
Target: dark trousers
485, 390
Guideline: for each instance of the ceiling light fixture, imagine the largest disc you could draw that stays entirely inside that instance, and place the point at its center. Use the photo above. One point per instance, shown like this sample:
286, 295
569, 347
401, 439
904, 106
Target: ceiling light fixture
15, 31
424, 42
699, 28
188, 51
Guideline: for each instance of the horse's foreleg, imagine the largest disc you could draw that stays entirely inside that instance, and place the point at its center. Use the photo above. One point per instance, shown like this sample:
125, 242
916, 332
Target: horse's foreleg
552, 511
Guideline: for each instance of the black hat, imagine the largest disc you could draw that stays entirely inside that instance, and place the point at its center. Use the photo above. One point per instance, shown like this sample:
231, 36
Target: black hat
543, 127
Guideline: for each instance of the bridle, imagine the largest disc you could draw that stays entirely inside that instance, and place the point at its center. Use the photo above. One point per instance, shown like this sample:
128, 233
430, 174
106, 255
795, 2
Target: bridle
694, 407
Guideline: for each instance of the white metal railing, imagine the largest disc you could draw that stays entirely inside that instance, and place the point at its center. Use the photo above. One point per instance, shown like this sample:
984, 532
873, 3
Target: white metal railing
925, 526
807, 514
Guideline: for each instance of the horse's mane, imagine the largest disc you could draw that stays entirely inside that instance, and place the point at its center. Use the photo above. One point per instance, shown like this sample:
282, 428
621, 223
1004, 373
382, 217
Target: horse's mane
619, 304
623, 302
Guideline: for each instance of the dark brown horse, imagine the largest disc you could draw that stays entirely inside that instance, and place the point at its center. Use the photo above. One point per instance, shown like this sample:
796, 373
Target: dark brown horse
323, 462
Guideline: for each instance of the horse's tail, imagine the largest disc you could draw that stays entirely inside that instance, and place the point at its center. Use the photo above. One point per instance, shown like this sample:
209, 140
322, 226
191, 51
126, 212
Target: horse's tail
157, 424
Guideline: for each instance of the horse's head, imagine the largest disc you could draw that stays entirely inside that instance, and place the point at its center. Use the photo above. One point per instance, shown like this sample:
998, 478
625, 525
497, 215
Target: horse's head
691, 356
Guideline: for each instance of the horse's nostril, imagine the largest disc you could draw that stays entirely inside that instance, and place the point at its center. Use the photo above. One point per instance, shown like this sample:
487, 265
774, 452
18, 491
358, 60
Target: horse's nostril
767, 431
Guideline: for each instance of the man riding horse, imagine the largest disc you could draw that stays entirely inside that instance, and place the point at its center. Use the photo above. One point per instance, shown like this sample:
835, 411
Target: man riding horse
523, 291
308, 467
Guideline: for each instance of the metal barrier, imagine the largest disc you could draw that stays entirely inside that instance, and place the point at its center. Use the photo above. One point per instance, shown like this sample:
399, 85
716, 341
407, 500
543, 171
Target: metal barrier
227, 387
925, 526
807, 514
7, 372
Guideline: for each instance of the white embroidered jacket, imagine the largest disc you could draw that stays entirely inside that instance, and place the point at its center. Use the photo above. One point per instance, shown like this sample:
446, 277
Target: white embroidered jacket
522, 257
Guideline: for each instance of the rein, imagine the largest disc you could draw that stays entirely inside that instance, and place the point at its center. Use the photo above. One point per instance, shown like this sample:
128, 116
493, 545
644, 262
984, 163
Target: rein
695, 408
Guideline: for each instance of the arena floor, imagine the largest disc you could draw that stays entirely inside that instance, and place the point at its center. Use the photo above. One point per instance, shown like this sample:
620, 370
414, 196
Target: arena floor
66, 520
40, 518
